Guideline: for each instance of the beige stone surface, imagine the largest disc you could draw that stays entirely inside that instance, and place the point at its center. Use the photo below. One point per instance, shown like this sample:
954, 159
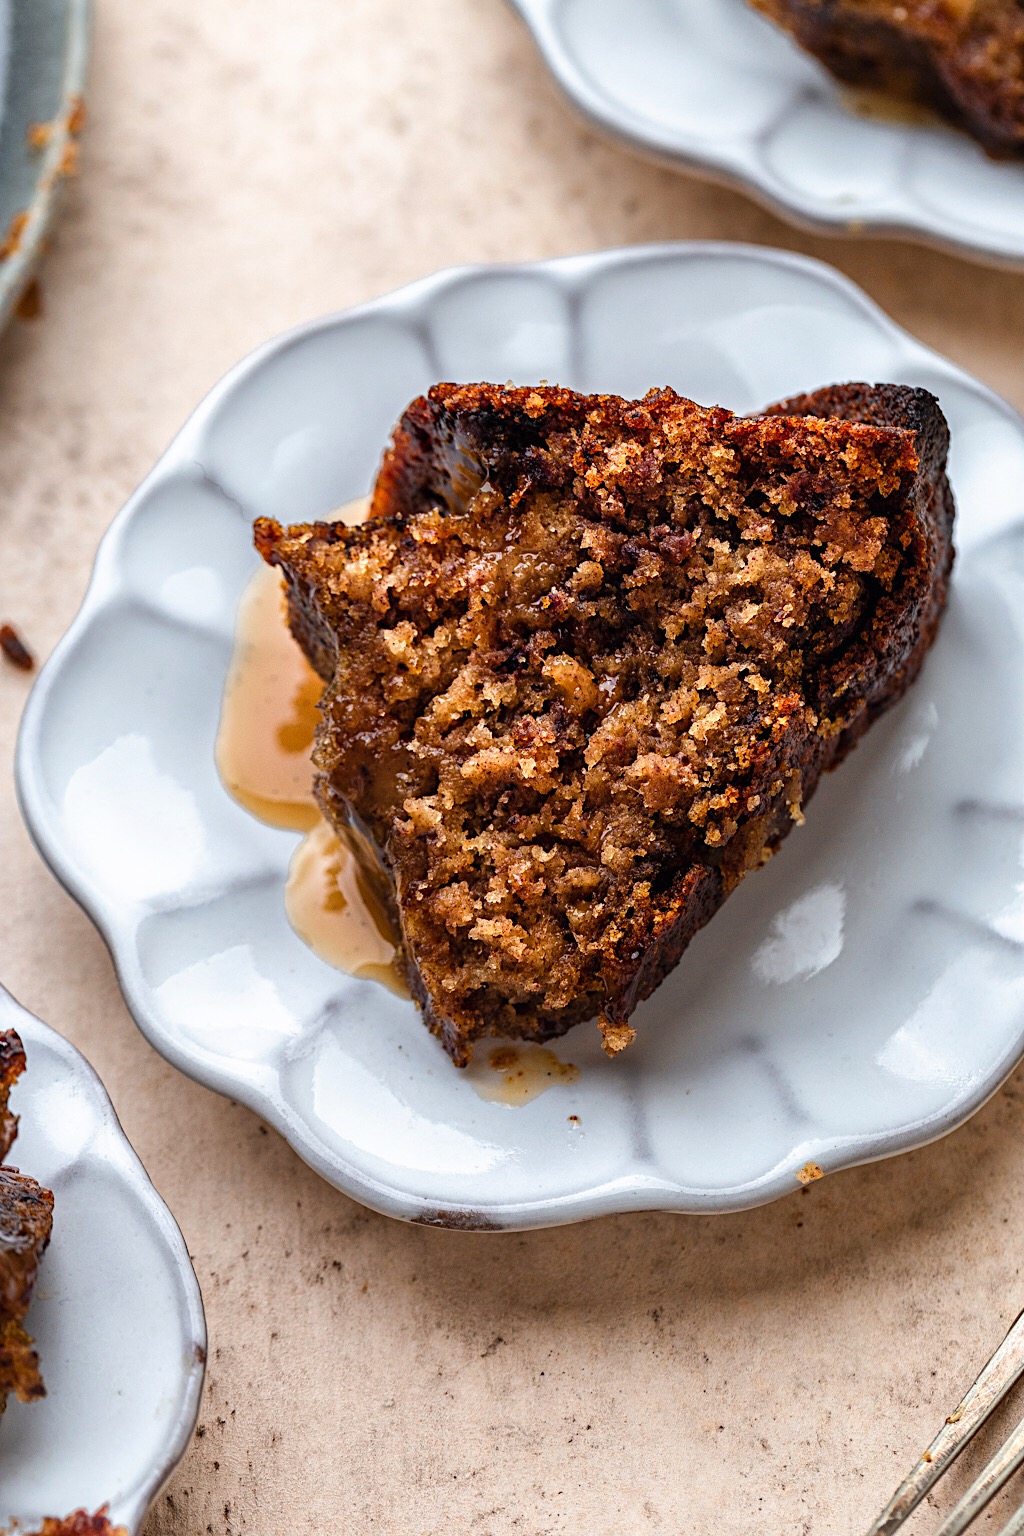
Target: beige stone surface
246, 167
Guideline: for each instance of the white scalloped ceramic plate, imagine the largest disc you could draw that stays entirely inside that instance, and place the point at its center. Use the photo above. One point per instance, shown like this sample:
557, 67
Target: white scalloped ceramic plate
861, 995
116, 1314
712, 86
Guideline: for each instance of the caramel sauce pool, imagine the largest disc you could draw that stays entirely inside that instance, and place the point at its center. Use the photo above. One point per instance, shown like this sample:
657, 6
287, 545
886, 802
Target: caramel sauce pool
517, 1072
269, 713
268, 718
890, 107
331, 905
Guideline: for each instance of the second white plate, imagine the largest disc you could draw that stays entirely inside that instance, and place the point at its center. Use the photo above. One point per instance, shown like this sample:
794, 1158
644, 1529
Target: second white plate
712, 86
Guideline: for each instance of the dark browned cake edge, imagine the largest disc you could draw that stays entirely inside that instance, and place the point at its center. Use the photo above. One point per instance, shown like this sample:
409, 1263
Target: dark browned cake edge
26, 1219
12, 1065
968, 69
897, 661
916, 411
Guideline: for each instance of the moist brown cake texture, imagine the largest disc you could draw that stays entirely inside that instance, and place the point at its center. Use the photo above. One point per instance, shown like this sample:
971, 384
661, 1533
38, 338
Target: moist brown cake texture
26, 1217
965, 58
12, 1065
587, 660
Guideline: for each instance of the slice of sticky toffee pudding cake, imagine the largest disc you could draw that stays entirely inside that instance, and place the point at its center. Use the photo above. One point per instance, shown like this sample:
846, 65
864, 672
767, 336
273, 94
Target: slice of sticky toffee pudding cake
587, 660
26, 1217
12, 1065
963, 58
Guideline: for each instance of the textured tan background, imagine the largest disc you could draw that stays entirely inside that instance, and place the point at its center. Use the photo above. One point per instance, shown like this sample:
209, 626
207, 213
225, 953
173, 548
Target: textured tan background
244, 168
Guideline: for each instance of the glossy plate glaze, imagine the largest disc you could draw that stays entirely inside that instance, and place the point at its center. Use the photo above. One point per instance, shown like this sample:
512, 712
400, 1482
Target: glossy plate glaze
712, 86
116, 1315
44, 48
863, 994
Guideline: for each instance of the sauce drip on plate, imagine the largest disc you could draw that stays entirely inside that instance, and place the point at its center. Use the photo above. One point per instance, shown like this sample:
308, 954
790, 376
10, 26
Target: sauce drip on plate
332, 905
517, 1071
269, 713
904, 111
268, 718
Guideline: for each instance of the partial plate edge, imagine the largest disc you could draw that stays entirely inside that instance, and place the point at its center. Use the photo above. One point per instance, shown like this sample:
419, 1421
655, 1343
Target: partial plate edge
18, 268
131, 1512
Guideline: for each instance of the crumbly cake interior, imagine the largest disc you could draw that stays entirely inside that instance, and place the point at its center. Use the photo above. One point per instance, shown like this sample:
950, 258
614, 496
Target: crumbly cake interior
963, 57
580, 683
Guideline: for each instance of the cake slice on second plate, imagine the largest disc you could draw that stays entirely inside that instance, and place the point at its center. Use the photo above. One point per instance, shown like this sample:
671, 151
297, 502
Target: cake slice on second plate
12, 1065
26, 1217
964, 58
587, 659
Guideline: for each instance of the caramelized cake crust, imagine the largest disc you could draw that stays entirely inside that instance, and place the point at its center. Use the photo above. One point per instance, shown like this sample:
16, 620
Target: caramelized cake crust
26, 1217
12, 1065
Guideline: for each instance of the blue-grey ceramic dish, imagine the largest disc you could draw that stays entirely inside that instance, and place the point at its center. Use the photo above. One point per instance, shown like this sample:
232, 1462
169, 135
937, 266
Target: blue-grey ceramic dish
44, 47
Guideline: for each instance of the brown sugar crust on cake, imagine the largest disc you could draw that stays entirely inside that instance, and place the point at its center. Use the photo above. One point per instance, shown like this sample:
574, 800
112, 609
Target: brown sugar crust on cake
12, 1065
965, 58
26, 1218
587, 660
